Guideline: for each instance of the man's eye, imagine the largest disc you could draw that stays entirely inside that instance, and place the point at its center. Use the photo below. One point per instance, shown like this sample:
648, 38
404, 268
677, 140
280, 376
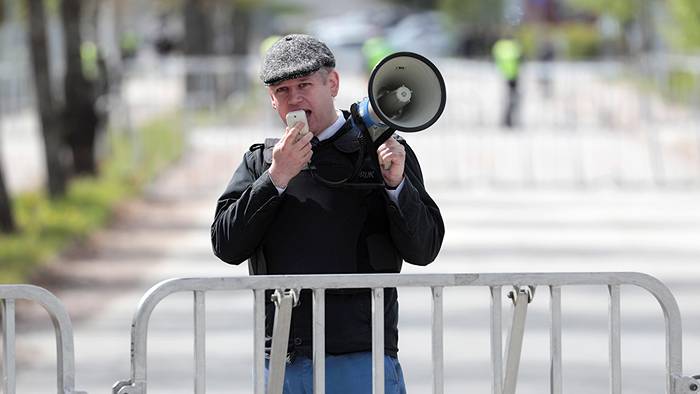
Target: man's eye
281, 90
304, 85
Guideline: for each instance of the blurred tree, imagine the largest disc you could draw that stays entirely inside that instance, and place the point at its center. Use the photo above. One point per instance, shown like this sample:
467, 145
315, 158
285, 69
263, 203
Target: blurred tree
241, 24
474, 12
477, 22
199, 35
48, 108
419, 4
622, 10
627, 13
199, 38
7, 220
686, 28
80, 89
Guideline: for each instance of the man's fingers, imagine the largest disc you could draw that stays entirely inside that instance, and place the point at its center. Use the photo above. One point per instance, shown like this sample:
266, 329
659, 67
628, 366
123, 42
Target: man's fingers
306, 138
390, 152
304, 149
302, 141
390, 142
386, 157
384, 150
291, 133
307, 156
292, 130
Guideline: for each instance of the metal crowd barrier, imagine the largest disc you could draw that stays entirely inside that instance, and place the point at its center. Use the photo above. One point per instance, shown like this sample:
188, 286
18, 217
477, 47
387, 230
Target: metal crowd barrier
676, 382
62, 326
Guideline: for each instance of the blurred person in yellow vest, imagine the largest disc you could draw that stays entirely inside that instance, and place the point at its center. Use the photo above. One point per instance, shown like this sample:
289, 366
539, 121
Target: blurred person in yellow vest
128, 45
507, 54
374, 50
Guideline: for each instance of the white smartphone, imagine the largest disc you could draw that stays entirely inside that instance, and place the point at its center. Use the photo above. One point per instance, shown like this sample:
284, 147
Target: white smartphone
298, 116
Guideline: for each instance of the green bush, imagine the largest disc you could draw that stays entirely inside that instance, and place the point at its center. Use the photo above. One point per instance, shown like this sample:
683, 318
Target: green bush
682, 84
576, 41
583, 41
48, 226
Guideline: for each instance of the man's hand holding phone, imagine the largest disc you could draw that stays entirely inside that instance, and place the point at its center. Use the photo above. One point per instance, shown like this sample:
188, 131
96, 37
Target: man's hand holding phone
290, 155
295, 117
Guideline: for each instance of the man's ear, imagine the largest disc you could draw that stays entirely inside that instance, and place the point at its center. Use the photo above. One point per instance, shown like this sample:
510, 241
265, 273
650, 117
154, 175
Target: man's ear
273, 101
334, 81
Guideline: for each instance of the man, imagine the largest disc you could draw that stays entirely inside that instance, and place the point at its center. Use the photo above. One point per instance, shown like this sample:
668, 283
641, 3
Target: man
507, 54
283, 211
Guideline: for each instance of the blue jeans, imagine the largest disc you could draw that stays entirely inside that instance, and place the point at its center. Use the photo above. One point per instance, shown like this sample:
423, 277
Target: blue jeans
345, 374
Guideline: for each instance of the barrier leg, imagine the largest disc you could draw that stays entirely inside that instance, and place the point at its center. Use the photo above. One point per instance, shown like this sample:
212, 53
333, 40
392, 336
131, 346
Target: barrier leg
515, 342
284, 300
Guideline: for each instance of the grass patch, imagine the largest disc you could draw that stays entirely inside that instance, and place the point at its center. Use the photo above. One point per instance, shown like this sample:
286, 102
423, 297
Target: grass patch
682, 85
47, 226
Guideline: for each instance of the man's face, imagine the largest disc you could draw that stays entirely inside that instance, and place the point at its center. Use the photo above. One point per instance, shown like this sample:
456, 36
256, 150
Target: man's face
313, 93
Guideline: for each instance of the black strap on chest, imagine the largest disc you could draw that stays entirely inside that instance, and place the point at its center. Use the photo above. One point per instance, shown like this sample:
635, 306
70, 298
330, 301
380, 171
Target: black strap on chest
365, 173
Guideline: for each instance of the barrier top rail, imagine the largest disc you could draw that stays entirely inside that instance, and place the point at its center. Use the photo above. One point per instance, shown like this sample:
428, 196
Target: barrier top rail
62, 326
675, 382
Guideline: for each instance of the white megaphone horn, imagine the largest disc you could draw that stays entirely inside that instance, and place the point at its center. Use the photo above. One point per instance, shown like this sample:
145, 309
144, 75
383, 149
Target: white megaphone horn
406, 92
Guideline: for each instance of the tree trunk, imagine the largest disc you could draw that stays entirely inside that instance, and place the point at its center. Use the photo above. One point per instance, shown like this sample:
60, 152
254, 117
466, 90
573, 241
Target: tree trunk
646, 26
199, 40
198, 28
80, 115
7, 220
241, 24
48, 111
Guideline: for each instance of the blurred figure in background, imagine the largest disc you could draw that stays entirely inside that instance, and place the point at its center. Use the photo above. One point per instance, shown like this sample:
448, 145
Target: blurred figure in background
507, 54
128, 45
545, 55
373, 51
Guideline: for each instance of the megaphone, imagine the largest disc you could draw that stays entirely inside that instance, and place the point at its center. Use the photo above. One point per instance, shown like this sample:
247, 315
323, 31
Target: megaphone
406, 92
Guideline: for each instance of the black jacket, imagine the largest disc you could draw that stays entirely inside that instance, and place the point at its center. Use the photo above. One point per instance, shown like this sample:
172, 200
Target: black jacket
313, 228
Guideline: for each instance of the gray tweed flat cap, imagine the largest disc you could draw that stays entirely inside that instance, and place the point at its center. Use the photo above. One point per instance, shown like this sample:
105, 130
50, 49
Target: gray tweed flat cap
294, 56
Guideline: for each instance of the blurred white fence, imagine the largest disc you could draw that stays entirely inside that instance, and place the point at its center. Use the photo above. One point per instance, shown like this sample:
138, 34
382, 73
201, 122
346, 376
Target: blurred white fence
598, 124
594, 125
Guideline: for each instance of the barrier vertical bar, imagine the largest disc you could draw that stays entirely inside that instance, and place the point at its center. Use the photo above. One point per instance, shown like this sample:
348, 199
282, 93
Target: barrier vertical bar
515, 340
319, 341
438, 342
259, 341
378, 341
284, 302
615, 357
496, 340
8, 342
200, 379
555, 378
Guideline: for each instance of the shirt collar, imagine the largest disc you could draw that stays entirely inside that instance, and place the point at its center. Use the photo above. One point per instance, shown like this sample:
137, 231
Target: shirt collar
332, 129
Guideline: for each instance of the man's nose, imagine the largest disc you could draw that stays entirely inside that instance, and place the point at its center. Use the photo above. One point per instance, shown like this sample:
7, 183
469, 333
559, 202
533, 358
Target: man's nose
296, 97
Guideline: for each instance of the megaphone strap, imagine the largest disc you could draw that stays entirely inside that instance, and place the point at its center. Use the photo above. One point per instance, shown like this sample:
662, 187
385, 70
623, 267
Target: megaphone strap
358, 148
